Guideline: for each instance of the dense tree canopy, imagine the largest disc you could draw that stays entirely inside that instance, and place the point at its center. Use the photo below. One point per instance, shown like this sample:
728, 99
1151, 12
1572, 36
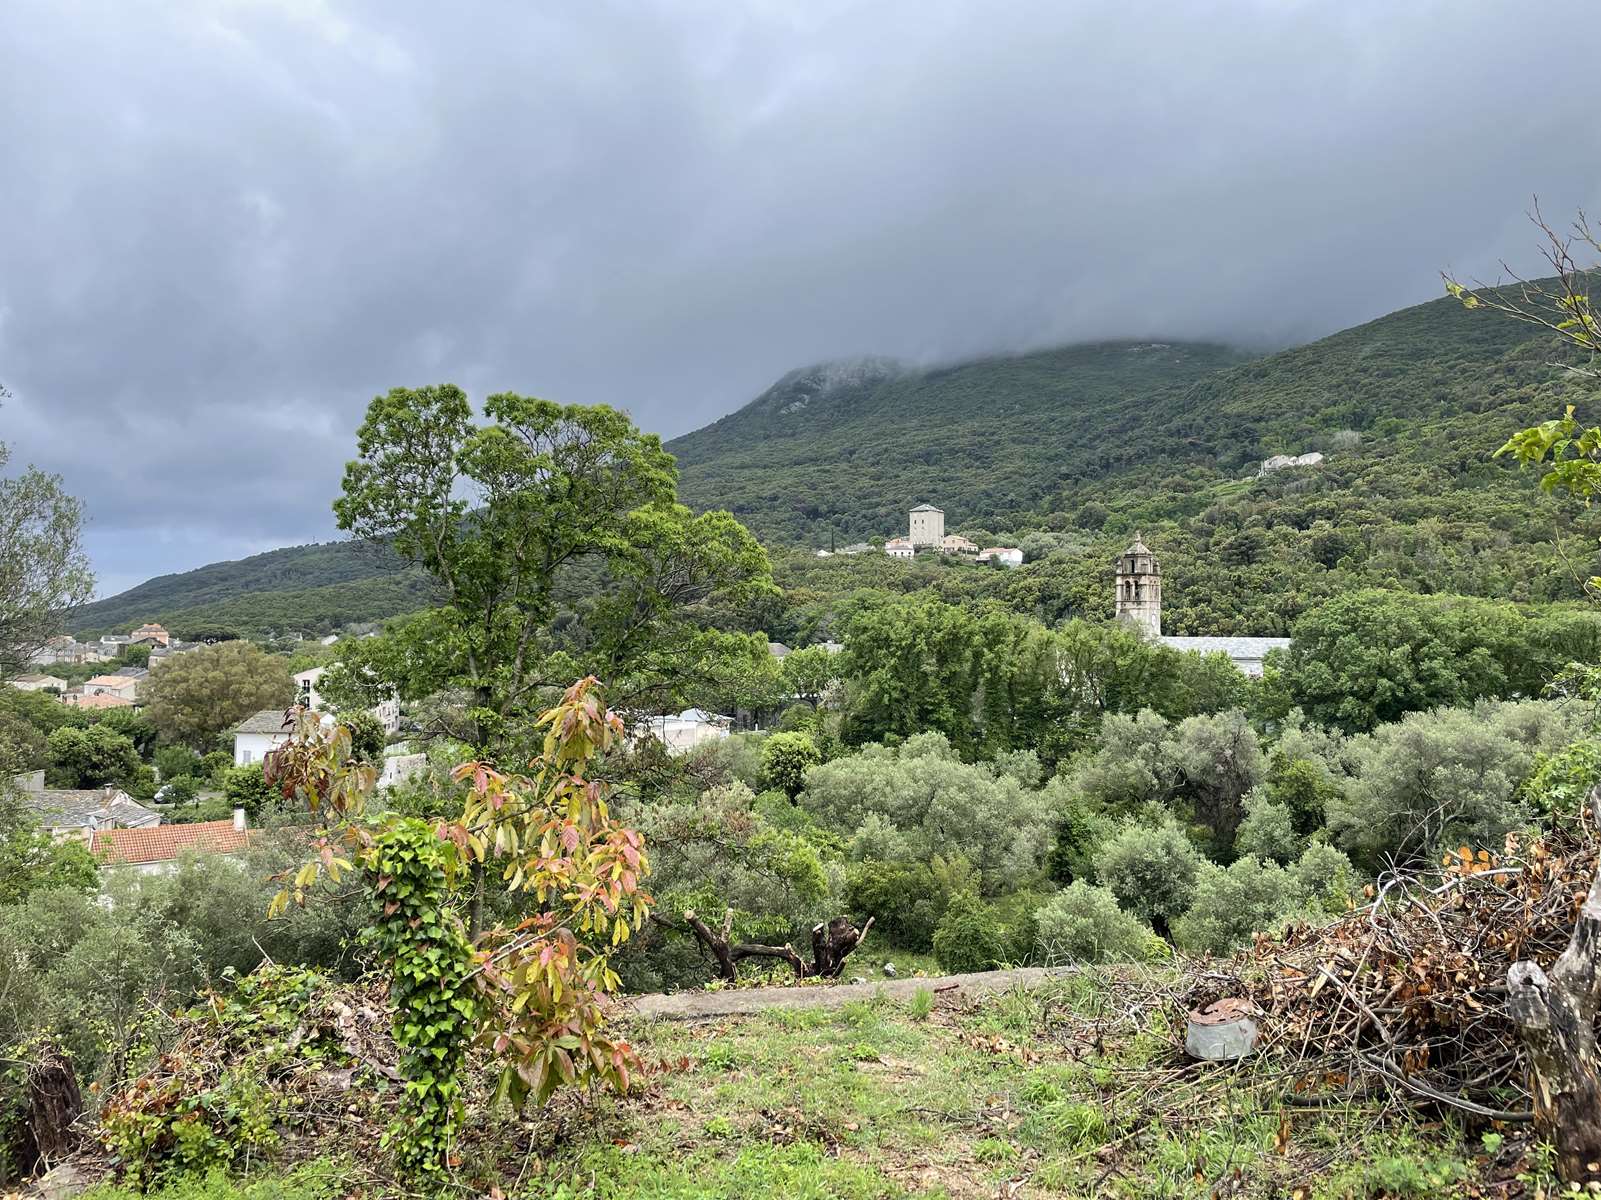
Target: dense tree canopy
191, 698
557, 548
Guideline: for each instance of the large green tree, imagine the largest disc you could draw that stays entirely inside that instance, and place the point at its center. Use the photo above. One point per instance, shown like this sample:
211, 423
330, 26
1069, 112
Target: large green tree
194, 697
89, 758
44, 572
558, 550
1371, 657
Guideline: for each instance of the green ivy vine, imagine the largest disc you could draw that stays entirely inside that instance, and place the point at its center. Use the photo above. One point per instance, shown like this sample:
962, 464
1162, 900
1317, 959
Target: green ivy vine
434, 1002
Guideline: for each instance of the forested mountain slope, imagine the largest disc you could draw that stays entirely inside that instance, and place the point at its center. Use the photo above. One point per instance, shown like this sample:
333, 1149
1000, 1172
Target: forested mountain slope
1409, 410
308, 589
844, 449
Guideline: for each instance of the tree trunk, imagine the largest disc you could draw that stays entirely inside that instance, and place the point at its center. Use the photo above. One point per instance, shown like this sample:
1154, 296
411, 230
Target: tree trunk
1556, 1016
52, 1106
832, 942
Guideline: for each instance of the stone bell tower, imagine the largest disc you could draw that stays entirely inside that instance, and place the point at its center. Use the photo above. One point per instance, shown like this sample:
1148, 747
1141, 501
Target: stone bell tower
1139, 588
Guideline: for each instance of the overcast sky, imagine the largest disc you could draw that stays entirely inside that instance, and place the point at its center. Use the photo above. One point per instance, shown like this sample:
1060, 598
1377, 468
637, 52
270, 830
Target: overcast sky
224, 226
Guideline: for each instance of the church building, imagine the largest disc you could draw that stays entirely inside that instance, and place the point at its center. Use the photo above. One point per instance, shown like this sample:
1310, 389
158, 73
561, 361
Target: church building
1139, 601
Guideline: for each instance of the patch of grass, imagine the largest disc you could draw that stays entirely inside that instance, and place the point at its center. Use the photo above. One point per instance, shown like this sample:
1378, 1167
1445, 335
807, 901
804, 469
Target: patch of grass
920, 1005
321, 1180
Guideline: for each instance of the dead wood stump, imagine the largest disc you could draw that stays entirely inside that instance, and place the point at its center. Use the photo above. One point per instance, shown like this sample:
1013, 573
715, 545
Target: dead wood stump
832, 943
52, 1104
1555, 1013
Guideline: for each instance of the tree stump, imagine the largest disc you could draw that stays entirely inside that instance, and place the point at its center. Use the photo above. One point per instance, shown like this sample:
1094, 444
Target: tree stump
1556, 1014
51, 1109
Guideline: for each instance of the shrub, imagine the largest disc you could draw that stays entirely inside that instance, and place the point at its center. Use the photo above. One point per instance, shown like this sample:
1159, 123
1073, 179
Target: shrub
247, 788
1082, 923
1442, 779
923, 801
1230, 904
1081, 829
1151, 871
969, 937
174, 762
180, 791
1562, 781
1268, 830
215, 765
786, 757
1325, 876
902, 898
1304, 788
367, 736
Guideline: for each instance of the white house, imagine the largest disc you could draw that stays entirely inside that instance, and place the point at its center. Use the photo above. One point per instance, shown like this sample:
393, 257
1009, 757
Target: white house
900, 548
1001, 556
687, 729
1280, 461
38, 683
306, 688
387, 711
260, 733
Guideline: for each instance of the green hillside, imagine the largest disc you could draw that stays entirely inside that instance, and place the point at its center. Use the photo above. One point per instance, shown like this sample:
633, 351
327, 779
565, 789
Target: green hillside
309, 589
1408, 409
844, 449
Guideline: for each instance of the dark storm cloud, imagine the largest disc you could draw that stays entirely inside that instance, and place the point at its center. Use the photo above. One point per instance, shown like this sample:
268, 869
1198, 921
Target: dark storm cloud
227, 224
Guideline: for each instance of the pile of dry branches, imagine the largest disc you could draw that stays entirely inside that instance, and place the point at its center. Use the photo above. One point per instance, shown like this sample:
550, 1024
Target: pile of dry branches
1410, 990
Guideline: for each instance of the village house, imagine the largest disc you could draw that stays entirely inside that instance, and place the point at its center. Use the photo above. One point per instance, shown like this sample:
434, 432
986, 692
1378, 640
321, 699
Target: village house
1139, 602
39, 683
955, 543
157, 850
67, 651
150, 634
67, 812
307, 696
160, 654
687, 729
78, 698
900, 548
124, 687
259, 734
1001, 556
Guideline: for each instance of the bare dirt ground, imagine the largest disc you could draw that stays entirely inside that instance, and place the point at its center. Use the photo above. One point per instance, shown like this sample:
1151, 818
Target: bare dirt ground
700, 1006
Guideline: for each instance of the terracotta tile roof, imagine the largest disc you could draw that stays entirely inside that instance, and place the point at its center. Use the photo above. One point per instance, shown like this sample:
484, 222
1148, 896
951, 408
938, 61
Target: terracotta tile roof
164, 843
99, 700
116, 681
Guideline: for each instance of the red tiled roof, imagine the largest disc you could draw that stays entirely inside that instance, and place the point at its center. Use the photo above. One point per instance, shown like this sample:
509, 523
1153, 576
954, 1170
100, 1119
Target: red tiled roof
98, 700
164, 843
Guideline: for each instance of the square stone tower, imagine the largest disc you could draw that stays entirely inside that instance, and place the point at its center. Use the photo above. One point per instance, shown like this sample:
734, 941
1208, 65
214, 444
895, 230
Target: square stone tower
928, 525
1139, 588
